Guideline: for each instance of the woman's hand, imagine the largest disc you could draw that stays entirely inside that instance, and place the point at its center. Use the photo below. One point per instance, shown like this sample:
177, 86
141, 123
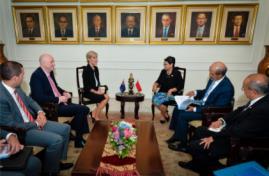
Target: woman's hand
155, 87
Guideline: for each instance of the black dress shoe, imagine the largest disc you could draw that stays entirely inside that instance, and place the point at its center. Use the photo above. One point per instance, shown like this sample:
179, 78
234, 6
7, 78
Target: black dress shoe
79, 143
177, 147
186, 165
65, 166
171, 140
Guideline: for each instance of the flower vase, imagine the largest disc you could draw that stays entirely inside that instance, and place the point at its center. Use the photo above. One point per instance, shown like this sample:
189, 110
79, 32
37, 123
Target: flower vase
264, 63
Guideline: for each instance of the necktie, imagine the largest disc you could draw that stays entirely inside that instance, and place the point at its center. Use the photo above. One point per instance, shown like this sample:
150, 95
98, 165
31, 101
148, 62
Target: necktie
25, 110
53, 87
236, 33
208, 91
130, 32
63, 33
165, 31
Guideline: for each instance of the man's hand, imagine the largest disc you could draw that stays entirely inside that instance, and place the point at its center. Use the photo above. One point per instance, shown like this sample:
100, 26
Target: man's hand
63, 99
14, 144
67, 95
190, 109
190, 93
41, 119
207, 141
216, 124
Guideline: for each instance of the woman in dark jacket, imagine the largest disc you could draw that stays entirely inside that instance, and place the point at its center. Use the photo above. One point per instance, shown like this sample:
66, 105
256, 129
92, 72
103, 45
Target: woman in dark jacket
91, 83
169, 82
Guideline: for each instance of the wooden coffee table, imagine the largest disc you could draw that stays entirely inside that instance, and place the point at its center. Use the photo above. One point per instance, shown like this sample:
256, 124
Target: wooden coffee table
148, 159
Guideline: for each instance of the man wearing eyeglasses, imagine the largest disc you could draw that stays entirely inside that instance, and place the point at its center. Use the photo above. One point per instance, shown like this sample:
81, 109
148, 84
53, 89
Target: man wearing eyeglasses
63, 29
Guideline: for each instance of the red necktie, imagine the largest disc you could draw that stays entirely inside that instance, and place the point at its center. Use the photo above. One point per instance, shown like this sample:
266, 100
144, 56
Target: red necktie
236, 33
25, 110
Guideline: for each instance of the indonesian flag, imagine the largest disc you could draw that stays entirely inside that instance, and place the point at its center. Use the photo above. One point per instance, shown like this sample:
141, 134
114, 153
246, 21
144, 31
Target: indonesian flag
138, 86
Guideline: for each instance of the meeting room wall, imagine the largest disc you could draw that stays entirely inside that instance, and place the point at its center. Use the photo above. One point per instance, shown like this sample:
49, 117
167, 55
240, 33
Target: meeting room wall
116, 62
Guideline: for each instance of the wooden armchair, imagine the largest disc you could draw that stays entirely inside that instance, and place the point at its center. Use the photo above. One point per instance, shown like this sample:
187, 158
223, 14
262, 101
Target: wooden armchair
244, 149
179, 92
82, 99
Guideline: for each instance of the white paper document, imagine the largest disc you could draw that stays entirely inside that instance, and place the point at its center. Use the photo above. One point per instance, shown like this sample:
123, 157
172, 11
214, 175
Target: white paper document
184, 101
4, 152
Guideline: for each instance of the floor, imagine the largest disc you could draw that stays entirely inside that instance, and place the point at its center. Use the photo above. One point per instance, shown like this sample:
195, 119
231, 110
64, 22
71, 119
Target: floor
169, 158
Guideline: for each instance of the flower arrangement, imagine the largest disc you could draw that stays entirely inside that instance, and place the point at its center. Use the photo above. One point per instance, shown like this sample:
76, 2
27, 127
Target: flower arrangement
122, 137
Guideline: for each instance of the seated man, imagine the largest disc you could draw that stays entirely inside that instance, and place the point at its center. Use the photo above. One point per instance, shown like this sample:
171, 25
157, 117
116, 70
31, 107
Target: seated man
33, 166
219, 92
44, 89
19, 110
250, 120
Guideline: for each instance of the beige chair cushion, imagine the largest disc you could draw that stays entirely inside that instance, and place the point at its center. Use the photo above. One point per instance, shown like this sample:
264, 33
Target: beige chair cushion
195, 123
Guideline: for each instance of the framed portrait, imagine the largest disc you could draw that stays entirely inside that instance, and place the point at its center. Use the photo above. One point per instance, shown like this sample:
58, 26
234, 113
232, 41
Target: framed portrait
237, 25
29, 24
63, 24
201, 24
166, 25
131, 25
96, 24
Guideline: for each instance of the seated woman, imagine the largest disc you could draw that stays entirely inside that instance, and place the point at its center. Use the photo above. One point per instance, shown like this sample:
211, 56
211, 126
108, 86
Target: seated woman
91, 83
167, 85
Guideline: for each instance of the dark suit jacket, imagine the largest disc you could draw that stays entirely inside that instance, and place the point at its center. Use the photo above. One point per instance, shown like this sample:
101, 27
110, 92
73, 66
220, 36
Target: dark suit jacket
221, 96
68, 33
171, 31
35, 33
88, 78
136, 32
41, 90
92, 33
252, 122
10, 114
206, 32
230, 31
3, 134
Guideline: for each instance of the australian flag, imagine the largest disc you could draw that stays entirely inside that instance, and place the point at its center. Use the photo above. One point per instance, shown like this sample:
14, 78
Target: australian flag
122, 87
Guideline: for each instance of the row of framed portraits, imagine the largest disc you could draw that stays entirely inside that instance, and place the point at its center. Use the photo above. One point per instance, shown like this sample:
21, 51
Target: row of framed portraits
177, 24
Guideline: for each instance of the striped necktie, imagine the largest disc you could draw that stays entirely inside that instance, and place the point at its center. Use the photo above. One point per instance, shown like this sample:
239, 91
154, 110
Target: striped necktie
25, 110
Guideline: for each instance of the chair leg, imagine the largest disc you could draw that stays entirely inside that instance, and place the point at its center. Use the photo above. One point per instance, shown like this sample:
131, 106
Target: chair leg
153, 111
107, 107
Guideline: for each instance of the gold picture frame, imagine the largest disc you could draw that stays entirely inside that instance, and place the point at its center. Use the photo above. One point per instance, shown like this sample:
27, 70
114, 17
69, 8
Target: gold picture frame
96, 24
29, 23
130, 26
201, 24
63, 24
237, 24
166, 24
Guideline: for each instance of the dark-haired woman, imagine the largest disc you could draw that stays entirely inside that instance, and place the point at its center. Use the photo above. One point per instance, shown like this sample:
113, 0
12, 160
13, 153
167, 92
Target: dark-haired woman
167, 85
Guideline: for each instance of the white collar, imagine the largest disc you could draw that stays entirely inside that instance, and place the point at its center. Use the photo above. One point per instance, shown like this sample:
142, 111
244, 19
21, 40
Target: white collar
255, 100
218, 81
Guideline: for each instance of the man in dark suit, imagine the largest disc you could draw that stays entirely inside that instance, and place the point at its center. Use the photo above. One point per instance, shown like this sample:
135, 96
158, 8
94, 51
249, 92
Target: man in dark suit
33, 166
62, 29
44, 88
97, 29
30, 29
166, 29
236, 28
250, 120
219, 92
200, 28
19, 110
130, 30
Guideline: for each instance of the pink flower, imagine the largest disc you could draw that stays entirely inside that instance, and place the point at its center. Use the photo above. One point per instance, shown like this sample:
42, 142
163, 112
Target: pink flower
127, 132
116, 134
114, 129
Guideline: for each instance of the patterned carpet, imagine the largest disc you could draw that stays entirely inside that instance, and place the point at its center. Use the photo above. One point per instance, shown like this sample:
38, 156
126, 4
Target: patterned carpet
169, 158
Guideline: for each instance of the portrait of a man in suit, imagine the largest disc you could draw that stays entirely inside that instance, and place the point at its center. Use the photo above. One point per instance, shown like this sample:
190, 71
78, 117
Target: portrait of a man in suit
236, 24
30, 25
97, 25
130, 25
200, 24
63, 24
165, 25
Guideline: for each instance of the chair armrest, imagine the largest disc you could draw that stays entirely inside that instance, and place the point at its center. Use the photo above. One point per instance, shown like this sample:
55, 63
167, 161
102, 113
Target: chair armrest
105, 86
51, 110
213, 113
18, 131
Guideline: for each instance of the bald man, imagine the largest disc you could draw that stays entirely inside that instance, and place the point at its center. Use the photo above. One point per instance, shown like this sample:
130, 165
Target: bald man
167, 28
250, 120
44, 89
20, 111
219, 92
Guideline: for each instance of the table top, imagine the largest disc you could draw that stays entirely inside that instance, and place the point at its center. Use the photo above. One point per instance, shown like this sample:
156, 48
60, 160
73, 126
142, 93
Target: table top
130, 97
148, 159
